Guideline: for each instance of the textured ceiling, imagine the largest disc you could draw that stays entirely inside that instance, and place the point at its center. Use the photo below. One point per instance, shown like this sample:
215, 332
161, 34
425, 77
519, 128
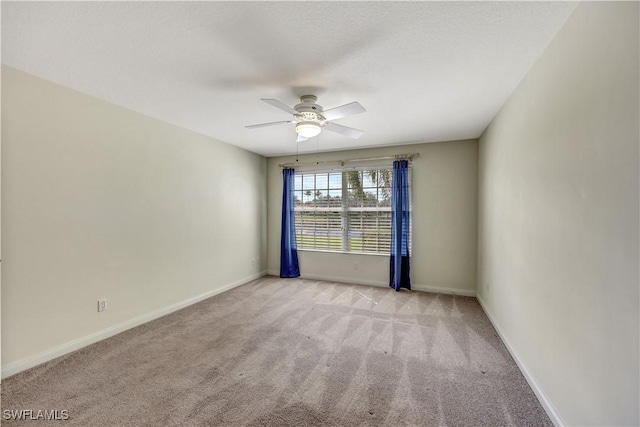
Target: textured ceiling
425, 71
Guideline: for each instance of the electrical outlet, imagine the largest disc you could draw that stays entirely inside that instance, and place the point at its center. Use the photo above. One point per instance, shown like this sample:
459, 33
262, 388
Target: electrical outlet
356, 265
253, 262
102, 305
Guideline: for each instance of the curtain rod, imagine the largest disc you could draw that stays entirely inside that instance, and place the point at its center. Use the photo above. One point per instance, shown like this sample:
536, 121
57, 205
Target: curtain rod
342, 162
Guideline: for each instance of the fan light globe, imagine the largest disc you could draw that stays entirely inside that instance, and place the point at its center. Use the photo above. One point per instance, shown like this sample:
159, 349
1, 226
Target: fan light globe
308, 129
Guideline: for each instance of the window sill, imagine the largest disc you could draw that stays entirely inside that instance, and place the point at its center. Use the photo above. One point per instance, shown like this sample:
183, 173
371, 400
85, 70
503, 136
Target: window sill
343, 252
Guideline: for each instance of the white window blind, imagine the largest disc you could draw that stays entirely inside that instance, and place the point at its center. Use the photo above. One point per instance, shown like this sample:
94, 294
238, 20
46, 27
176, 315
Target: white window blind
345, 211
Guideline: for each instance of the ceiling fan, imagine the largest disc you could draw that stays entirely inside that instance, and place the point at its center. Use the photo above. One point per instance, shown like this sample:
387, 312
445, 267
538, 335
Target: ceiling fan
310, 118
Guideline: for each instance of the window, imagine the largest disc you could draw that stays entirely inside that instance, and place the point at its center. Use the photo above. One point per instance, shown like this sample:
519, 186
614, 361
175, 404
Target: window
346, 211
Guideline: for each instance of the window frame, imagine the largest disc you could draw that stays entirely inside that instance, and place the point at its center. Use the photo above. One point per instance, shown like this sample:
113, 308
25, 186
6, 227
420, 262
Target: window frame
344, 210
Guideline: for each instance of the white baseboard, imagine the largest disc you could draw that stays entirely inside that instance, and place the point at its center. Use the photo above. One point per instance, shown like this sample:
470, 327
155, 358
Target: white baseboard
450, 291
380, 283
542, 397
355, 281
52, 353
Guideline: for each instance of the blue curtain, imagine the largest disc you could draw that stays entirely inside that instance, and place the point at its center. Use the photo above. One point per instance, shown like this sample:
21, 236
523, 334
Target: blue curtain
288, 248
399, 271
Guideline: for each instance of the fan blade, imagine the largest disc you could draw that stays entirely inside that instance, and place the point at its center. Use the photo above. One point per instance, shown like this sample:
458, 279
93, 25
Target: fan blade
301, 138
261, 125
280, 105
344, 130
344, 111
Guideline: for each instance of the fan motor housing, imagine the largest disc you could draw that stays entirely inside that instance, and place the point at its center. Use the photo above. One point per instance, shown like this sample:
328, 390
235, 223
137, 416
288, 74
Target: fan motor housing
308, 105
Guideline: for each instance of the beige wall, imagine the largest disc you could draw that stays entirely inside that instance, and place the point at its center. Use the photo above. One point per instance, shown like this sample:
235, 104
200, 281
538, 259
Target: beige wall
558, 219
102, 202
444, 197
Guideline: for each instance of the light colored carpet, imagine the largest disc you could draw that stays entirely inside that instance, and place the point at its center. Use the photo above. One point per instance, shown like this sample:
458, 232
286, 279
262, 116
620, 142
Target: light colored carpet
278, 352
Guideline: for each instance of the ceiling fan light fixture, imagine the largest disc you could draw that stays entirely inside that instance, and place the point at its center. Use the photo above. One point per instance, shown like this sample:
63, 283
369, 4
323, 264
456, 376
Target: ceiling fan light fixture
310, 118
308, 129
